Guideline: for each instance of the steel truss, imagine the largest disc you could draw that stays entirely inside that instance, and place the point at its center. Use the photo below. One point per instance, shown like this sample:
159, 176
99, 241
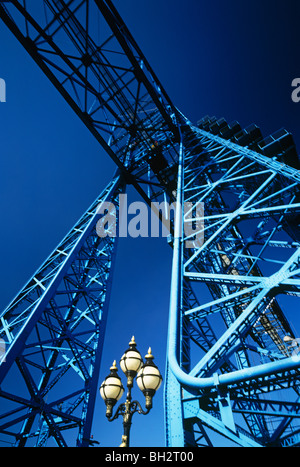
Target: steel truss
55, 326
229, 369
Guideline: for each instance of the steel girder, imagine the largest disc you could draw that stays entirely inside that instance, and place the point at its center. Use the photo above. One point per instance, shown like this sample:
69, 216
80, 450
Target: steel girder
235, 376
54, 331
87, 52
55, 326
226, 348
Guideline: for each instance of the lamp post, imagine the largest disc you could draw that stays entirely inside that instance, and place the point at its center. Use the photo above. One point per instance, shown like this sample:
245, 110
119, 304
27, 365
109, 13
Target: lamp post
148, 379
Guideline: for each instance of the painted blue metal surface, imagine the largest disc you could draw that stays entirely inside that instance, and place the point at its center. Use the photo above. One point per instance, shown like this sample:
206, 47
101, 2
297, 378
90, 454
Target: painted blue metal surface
246, 277
54, 331
232, 372
54, 328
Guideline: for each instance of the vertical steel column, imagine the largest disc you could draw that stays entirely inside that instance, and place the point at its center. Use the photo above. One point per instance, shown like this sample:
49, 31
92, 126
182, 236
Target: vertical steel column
54, 332
226, 376
174, 428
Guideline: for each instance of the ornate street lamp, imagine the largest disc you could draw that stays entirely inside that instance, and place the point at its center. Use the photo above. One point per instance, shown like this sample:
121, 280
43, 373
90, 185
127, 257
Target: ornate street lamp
148, 380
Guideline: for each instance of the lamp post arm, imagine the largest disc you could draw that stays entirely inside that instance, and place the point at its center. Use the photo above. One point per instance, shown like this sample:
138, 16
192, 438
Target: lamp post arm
127, 409
120, 411
131, 408
138, 408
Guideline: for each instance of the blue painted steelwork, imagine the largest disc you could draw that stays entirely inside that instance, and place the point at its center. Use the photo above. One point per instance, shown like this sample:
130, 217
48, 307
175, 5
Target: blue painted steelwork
246, 278
231, 371
54, 329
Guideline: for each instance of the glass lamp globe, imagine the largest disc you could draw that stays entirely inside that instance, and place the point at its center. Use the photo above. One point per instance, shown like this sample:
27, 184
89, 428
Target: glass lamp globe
131, 362
149, 379
111, 390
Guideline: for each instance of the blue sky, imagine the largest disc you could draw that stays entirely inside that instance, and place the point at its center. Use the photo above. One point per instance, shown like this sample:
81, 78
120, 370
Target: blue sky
229, 59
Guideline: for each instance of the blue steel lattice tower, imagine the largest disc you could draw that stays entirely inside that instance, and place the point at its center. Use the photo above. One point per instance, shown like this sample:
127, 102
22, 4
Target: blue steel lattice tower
232, 361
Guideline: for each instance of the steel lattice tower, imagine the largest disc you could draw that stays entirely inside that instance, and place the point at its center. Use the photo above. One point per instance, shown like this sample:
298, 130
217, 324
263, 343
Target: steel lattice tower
231, 371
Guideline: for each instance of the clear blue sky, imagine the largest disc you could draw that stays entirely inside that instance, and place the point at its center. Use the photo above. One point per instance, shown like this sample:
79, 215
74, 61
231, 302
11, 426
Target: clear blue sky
229, 59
